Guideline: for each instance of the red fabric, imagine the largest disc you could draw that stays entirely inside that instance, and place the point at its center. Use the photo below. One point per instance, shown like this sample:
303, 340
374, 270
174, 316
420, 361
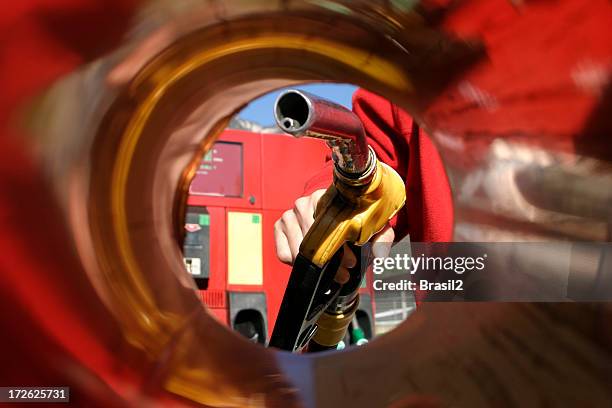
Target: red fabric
398, 142
43, 326
545, 78
44, 39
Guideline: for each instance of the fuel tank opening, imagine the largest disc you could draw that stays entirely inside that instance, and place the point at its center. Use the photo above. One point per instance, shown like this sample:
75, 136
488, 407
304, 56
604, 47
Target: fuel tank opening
95, 193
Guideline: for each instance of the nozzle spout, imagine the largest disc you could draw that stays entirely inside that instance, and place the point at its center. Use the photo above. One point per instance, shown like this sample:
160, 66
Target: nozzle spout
302, 114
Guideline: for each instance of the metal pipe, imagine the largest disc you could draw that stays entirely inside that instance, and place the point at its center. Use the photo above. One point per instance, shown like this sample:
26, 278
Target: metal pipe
302, 114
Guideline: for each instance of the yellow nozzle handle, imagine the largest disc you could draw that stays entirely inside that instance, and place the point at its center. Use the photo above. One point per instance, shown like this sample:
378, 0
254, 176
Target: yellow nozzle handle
347, 213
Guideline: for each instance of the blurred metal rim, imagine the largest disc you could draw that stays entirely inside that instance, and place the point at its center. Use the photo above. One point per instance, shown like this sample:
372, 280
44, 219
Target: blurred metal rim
135, 176
144, 156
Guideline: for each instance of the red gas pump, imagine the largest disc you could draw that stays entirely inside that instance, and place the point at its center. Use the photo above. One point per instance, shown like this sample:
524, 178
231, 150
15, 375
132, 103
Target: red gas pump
243, 185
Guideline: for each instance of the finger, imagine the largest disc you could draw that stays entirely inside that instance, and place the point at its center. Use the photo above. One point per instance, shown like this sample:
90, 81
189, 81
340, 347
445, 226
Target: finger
382, 242
349, 260
342, 275
309, 205
283, 252
315, 198
304, 213
293, 232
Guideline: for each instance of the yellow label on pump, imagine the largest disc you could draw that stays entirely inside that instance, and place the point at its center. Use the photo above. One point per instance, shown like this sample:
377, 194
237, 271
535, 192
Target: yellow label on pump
244, 249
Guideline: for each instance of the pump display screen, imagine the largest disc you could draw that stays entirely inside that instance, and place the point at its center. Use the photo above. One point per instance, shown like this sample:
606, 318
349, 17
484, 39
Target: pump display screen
220, 172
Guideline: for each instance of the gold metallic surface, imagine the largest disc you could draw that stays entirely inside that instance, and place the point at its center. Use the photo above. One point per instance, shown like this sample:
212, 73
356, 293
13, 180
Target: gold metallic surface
332, 327
353, 214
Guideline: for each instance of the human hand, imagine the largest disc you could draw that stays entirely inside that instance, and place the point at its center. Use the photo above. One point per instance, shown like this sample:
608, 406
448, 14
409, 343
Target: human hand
290, 229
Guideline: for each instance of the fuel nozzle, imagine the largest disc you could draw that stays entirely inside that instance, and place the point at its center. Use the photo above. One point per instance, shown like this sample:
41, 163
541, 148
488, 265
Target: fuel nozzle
302, 114
366, 193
